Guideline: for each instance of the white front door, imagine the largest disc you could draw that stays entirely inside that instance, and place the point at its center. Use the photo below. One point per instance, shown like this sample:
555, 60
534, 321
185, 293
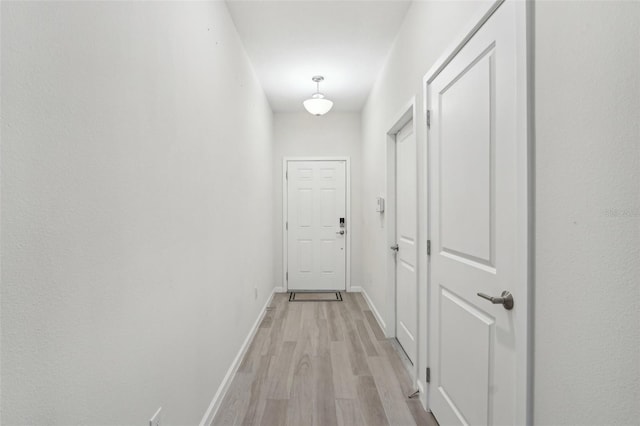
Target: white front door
406, 233
316, 241
475, 234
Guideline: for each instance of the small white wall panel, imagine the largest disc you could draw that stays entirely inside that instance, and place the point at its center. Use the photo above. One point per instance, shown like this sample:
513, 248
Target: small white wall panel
328, 208
305, 208
327, 256
305, 256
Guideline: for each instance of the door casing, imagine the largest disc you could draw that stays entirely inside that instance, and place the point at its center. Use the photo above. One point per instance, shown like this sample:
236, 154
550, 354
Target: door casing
406, 114
285, 201
525, 185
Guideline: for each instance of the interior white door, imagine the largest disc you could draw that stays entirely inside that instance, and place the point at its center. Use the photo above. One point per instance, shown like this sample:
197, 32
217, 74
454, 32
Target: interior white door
316, 242
473, 144
406, 236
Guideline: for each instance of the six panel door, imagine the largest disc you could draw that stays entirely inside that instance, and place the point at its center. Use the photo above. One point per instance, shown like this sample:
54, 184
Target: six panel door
316, 244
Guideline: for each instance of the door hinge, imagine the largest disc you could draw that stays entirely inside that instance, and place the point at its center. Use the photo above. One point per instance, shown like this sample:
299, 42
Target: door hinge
286, 175
428, 119
287, 225
428, 375
428, 247
287, 275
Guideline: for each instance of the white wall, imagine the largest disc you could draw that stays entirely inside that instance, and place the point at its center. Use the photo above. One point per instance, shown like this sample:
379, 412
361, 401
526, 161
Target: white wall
587, 166
587, 294
136, 166
428, 29
301, 134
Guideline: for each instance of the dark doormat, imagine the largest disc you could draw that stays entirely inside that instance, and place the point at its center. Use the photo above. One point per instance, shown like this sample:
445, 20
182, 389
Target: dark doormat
315, 296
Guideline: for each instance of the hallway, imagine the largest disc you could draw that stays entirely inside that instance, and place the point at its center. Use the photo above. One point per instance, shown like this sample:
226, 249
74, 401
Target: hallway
321, 363
465, 172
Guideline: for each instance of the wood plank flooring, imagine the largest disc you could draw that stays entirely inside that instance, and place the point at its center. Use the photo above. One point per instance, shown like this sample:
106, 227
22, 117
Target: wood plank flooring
321, 364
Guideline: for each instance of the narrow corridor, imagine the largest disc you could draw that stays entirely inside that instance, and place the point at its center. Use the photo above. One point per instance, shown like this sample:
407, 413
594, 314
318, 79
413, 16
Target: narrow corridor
321, 363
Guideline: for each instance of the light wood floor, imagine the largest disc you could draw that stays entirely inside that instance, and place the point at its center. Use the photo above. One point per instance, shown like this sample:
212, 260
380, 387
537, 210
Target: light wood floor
321, 363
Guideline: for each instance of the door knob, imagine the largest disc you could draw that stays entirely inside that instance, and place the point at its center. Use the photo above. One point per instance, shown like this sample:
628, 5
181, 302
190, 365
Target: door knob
394, 247
341, 232
505, 300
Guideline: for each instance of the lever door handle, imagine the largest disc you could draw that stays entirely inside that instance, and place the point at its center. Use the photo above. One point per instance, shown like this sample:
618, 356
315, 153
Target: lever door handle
506, 299
394, 247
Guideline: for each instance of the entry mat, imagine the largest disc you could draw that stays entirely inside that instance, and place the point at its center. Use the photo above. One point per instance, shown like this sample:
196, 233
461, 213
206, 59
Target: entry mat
315, 296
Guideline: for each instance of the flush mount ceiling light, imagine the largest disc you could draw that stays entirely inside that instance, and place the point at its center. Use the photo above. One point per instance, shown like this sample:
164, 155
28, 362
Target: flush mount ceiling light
318, 104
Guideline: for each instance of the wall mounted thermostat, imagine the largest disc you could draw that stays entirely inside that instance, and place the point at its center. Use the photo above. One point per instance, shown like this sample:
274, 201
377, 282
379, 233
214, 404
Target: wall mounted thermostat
380, 205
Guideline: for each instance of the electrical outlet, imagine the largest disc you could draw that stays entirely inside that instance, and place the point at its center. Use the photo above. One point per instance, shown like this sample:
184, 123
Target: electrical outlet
255, 292
155, 419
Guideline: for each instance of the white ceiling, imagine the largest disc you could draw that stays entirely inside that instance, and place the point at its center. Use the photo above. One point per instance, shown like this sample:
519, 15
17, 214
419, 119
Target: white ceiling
288, 42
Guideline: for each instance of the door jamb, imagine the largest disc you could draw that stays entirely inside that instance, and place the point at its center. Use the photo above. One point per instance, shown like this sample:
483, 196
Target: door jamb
285, 195
406, 113
525, 220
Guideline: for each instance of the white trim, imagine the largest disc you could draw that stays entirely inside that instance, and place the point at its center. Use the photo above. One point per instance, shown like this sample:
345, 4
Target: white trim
526, 207
525, 220
423, 395
390, 224
356, 289
279, 290
459, 42
285, 259
231, 372
405, 114
373, 309
427, 226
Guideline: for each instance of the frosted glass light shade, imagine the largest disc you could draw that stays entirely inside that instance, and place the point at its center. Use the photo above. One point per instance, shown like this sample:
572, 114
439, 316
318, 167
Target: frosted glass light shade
318, 105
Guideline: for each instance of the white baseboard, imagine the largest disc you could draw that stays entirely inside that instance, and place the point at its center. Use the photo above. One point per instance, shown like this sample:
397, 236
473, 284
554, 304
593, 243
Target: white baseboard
228, 378
355, 289
279, 290
376, 314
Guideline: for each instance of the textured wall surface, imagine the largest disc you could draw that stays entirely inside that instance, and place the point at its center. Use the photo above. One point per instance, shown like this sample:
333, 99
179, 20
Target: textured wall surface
136, 167
332, 135
587, 294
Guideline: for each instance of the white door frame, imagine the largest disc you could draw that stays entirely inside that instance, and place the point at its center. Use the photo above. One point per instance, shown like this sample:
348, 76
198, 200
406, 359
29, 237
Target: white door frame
406, 114
525, 184
285, 203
